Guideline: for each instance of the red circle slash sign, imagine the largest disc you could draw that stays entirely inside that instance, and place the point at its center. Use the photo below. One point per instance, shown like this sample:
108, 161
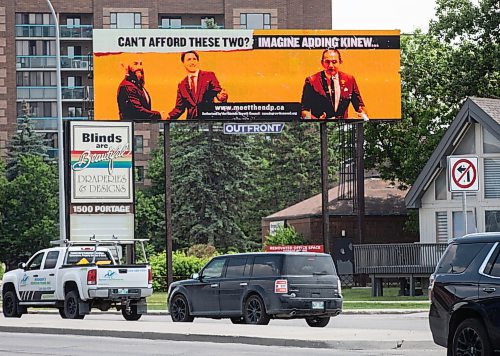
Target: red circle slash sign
464, 168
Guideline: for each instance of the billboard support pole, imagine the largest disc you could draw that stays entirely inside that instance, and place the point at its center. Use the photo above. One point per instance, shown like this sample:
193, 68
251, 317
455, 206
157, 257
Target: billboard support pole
60, 138
324, 185
360, 176
168, 200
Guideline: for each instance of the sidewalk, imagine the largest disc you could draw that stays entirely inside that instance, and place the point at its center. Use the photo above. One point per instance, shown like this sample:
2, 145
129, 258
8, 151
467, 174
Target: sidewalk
277, 333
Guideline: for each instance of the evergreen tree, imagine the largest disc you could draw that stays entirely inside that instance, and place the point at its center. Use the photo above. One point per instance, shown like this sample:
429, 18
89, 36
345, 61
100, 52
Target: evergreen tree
28, 210
25, 141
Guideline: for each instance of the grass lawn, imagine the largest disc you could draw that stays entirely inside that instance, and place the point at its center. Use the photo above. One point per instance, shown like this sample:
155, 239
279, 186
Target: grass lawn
354, 298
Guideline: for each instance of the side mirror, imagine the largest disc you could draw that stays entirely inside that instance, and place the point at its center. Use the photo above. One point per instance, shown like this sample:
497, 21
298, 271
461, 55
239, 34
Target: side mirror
195, 276
21, 265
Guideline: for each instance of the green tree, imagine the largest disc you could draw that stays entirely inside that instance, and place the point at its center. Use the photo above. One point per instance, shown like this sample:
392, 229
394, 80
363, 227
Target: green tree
459, 57
25, 141
29, 210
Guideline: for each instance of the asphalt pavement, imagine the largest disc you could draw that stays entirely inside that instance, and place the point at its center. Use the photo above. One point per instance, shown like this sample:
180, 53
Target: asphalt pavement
342, 335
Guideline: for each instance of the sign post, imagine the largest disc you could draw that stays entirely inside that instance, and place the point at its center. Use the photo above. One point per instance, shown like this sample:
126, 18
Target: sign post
463, 172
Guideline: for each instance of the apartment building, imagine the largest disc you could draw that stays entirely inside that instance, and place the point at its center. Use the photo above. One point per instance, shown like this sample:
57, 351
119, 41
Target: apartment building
28, 50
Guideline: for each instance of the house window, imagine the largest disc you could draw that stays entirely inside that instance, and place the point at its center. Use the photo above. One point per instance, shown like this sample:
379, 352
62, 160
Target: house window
492, 221
255, 21
139, 174
467, 143
171, 22
459, 224
74, 51
125, 20
440, 188
491, 181
441, 226
139, 144
490, 143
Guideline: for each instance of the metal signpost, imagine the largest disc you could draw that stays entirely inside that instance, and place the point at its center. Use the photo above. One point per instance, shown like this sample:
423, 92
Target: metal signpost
463, 173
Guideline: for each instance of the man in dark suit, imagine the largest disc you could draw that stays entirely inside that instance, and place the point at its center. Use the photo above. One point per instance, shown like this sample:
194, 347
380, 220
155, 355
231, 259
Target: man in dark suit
327, 94
134, 102
198, 87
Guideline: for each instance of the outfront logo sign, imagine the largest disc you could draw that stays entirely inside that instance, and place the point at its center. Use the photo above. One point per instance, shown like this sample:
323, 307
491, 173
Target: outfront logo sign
101, 162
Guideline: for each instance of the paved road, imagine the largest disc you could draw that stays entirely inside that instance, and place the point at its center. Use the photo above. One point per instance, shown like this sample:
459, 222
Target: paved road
62, 345
382, 332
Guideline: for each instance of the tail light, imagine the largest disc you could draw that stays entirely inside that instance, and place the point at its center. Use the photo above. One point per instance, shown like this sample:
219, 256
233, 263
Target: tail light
431, 285
281, 286
339, 286
92, 277
150, 276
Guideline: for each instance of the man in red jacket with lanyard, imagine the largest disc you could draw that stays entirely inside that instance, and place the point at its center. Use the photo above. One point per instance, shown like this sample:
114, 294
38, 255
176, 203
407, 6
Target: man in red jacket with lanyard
327, 94
197, 87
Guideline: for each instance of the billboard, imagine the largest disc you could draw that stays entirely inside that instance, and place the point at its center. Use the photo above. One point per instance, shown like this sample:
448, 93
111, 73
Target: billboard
101, 180
248, 75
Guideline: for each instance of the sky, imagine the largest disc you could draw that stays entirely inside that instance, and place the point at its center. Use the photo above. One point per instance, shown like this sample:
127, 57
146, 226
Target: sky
404, 15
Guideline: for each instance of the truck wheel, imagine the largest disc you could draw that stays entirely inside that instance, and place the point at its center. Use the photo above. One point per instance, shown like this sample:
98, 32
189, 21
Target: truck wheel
255, 311
179, 309
470, 338
318, 321
71, 307
61, 313
131, 313
10, 305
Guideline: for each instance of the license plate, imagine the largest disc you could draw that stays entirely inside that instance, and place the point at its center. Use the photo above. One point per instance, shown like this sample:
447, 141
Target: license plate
122, 291
318, 305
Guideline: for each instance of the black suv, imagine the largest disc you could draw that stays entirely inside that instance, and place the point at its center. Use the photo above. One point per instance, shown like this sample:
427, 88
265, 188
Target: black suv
465, 296
252, 288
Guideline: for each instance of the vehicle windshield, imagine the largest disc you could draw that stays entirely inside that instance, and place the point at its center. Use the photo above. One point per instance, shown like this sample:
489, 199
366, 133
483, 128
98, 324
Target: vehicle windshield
309, 265
85, 257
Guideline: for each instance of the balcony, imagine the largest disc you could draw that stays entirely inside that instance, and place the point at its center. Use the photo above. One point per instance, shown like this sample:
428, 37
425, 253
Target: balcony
49, 62
35, 31
49, 123
38, 62
189, 27
66, 32
50, 93
82, 31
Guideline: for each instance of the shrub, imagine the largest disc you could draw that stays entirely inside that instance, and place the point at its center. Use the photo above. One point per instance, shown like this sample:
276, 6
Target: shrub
2, 270
182, 265
285, 236
202, 251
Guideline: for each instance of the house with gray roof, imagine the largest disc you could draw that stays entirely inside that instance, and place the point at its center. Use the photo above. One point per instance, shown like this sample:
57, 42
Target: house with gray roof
475, 132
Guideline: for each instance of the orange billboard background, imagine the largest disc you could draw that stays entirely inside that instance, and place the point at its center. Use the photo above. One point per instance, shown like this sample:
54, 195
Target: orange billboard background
258, 75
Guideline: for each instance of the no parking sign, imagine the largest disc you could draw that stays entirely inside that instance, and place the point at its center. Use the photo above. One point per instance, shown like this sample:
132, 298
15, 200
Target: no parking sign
464, 175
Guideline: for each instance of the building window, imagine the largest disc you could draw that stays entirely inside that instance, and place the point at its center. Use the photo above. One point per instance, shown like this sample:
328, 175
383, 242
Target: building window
38, 109
73, 22
75, 111
441, 227
171, 22
75, 81
492, 221
74, 51
459, 223
139, 144
35, 48
491, 181
255, 21
35, 79
125, 20
139, 174
34, 19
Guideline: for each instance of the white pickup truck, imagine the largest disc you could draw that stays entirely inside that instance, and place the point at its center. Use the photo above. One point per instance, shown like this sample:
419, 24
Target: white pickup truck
76, 278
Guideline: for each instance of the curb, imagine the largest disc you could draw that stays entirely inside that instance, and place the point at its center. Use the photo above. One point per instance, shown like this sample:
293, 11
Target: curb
164, 312
226, 339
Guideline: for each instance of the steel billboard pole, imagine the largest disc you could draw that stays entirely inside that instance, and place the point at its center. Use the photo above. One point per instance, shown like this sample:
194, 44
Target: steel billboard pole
60, 138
